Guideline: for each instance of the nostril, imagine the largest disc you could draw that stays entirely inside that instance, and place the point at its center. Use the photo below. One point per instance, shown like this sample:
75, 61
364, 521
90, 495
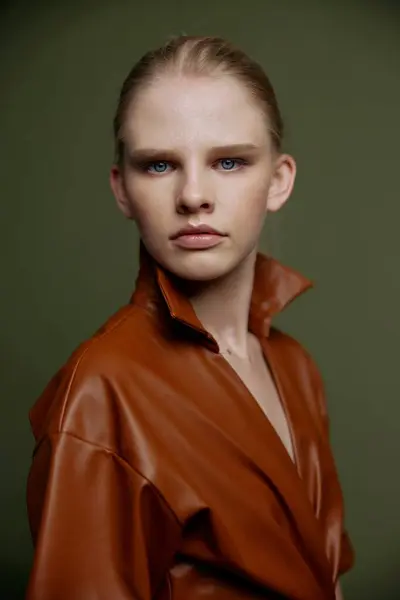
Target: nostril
185, 205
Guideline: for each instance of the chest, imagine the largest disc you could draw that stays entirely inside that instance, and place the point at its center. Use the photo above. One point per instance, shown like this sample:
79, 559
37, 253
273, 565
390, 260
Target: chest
256, 377
213, 421
214, 436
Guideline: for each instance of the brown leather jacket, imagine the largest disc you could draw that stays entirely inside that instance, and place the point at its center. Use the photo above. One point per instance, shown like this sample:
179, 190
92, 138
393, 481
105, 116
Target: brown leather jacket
156, 475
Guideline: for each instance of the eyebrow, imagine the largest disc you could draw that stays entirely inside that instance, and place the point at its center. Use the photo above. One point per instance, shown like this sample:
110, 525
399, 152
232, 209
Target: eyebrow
147, 154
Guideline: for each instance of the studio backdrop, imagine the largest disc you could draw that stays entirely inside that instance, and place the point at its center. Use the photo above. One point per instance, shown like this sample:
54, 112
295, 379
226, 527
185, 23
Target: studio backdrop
69, 259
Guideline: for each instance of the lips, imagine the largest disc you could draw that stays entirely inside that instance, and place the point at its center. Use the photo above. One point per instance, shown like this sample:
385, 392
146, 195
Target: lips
196, 230
200, 237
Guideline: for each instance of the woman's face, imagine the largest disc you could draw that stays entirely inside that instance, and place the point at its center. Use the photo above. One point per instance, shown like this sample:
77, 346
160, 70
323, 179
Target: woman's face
199, 154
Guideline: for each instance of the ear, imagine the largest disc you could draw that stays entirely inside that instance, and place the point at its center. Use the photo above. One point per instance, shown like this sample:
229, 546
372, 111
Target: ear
118, 188
282, 182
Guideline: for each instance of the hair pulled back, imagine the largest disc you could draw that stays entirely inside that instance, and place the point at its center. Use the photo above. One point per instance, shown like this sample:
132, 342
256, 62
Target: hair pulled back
196, 55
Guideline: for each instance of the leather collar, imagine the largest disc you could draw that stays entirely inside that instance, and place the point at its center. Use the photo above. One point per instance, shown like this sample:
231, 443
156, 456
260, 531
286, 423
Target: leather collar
275, 287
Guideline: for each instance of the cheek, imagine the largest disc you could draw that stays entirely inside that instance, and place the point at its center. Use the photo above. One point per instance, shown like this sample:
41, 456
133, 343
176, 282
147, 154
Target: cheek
251, 200
150, 218
147, 204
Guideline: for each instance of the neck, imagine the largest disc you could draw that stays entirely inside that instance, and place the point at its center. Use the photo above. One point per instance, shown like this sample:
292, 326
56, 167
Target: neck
223, 307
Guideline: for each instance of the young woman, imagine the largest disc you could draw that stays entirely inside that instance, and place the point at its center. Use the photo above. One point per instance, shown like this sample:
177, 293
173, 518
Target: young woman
183, 451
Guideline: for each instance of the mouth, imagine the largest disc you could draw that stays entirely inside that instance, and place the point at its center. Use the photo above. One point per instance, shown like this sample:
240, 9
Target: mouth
196, 230
199, 237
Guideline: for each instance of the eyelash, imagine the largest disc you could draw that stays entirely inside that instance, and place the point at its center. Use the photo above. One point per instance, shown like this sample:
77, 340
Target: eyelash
240, 163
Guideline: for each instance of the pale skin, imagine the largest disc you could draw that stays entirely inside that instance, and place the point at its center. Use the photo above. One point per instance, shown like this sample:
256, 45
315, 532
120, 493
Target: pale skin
199, 151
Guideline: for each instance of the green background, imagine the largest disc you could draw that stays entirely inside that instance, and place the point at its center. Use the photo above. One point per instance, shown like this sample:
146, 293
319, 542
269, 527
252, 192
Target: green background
69, 259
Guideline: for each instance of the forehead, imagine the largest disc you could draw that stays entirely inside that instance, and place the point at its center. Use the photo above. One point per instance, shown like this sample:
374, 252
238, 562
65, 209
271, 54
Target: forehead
193, 112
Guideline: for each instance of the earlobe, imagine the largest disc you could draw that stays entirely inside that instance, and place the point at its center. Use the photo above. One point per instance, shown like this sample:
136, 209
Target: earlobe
118, 189
282, 182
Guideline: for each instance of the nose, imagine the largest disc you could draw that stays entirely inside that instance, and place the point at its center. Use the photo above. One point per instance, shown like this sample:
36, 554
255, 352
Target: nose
193, 196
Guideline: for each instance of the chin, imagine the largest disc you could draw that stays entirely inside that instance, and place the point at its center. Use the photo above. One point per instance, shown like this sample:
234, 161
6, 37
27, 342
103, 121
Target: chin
199, 266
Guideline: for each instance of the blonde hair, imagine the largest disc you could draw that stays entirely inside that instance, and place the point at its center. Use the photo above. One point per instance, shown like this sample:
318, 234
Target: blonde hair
196, 55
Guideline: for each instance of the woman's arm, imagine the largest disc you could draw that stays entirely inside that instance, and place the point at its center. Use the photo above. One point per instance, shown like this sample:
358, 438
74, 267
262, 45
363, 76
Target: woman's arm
100, 529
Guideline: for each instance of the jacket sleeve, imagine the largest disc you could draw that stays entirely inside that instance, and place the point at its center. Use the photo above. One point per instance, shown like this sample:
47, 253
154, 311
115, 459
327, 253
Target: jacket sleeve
101, 531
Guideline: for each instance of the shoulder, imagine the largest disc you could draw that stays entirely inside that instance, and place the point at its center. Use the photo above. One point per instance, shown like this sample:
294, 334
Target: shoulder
80, 398
290, 348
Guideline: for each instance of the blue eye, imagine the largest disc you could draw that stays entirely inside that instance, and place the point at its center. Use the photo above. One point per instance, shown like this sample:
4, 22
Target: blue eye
157, 167
230, 164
